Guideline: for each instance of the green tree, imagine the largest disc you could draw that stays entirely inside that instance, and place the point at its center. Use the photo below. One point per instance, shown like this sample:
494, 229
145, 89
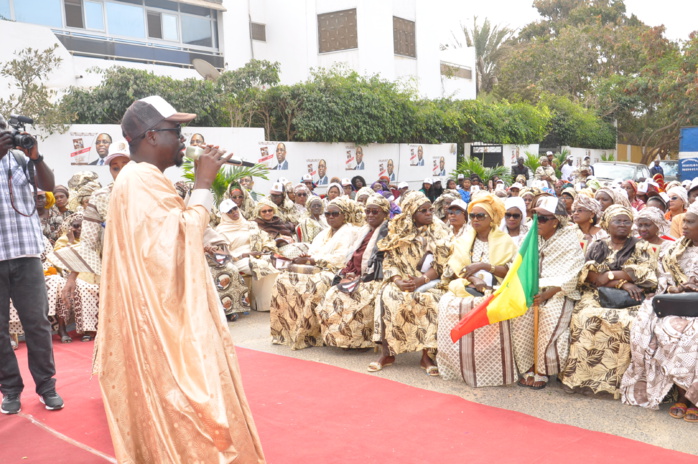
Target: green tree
490, 43
29, 95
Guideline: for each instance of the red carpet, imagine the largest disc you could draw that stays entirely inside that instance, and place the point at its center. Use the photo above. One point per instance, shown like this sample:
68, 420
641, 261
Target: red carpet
313, 413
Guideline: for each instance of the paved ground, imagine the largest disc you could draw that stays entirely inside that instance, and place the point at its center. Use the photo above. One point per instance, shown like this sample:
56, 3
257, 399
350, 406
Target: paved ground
551, 403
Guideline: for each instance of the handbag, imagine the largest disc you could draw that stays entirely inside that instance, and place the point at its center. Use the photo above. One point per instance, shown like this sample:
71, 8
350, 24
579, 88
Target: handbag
616, 298
676, 304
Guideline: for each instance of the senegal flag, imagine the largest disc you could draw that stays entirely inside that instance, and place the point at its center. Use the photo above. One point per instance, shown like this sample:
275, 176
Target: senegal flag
515, 295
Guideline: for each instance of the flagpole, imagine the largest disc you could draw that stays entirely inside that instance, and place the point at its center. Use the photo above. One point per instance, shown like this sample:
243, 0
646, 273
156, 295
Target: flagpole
535, 339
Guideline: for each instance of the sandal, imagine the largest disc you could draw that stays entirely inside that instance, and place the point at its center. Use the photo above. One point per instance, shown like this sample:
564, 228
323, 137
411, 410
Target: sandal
691, 415
86, 338
66, 339
432, 371
523, 381
542, 380
678, 410
375, 366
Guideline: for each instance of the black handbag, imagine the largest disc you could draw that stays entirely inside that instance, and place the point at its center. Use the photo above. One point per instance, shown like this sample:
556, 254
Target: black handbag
616, 298
676, 304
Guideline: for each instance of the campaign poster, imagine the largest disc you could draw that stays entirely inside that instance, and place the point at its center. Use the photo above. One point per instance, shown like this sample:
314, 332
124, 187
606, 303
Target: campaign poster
90, 148
416, 155
354, 159
386, 168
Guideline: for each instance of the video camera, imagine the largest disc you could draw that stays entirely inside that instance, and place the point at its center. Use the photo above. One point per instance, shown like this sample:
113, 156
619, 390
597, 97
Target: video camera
19, 139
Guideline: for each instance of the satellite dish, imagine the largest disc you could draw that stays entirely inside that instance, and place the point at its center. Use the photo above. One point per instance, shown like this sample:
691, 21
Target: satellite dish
206, 69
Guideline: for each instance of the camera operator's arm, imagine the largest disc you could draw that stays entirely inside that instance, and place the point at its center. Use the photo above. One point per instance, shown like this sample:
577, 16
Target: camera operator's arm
44, 175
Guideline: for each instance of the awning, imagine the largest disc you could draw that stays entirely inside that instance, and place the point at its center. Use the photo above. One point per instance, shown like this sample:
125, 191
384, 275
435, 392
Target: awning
205, 4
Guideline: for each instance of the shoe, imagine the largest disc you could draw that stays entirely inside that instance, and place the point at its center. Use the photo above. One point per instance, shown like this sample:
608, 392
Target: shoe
52, 401
678, 410
10, 404
376, 366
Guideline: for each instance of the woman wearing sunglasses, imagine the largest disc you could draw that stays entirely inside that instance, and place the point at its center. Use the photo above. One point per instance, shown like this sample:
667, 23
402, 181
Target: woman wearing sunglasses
514, 222
241, 197
480, 260
301, 287
561, 260
457, 214
314, 222
346, 313
599, 336
416, 250
678, 201
586, 212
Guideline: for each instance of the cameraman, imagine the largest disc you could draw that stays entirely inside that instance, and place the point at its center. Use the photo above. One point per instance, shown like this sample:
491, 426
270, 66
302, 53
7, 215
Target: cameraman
21, 273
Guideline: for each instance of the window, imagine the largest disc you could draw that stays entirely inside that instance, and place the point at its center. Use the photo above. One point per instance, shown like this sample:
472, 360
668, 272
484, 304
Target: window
94, 15
258, 32
456, 71
163, 4
73, 13
162, 26
125, 20
404, 37
337, 31
196, 31
43, 12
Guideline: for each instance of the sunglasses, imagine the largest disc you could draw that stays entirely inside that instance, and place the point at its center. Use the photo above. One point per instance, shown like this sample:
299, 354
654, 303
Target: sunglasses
544, 219
478, 216
301, 194
372, 212
332, 214
177, 130
454, 212
265, 211
512, 215
102, 142
425, 210
276, 195
674, 198
622, 223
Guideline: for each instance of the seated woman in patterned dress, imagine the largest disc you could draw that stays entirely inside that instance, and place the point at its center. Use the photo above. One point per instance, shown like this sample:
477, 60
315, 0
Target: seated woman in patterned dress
251, 250
586, 212
314, 222
282, 232
480, 260
664, 349
416, 249
83, 303
241, 197
299, 289
652, 227
346, 312
542, 354
600, 336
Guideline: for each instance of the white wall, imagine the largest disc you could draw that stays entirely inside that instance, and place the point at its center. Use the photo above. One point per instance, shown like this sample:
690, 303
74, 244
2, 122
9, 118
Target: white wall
595, 154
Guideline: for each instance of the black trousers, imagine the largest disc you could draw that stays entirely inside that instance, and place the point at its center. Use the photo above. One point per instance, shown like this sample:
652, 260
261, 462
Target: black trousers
22, 280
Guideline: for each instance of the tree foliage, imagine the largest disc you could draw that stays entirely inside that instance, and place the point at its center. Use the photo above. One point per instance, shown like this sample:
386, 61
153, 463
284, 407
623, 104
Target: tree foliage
29, 95
489, 42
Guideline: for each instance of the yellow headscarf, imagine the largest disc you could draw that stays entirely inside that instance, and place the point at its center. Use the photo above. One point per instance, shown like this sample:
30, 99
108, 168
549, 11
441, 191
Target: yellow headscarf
493, 206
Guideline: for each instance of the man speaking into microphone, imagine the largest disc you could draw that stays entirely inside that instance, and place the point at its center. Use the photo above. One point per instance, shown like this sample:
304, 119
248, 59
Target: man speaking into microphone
165, 358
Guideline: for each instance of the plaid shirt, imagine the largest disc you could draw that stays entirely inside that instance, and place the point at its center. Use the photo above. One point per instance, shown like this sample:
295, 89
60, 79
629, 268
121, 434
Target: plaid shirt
19, 235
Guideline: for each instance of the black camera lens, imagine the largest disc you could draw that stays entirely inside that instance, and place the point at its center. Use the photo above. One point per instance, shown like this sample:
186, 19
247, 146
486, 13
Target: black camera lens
25, 141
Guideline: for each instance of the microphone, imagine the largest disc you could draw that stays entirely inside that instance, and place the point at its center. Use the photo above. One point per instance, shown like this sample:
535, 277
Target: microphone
194, 152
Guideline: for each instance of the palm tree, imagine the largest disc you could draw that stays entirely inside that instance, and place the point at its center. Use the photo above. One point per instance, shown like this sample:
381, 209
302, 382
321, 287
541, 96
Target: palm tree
489, 42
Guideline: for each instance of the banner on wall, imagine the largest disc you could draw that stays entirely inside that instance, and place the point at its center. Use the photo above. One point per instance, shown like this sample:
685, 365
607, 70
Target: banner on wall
83, 146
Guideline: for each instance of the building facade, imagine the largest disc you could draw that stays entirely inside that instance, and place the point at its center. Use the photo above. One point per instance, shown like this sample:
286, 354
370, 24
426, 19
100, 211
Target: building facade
396, 39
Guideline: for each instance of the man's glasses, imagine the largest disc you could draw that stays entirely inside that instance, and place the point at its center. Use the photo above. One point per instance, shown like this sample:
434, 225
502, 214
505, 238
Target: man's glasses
332, 214
544, 219
276, 195
512, 215
102, 142
177, 130
478, 216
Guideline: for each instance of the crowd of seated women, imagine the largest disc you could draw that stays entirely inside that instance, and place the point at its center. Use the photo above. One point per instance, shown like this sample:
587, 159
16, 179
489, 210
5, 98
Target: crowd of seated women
356, 277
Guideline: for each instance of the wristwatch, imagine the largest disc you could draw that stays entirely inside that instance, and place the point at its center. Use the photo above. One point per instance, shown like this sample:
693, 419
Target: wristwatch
39, 159
610, 275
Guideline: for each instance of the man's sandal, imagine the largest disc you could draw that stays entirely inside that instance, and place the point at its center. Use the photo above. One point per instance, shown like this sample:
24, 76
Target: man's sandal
691, 415
678, 410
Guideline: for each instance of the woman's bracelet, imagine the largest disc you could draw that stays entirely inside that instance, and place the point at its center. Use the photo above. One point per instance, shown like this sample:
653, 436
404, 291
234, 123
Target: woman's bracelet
621, 283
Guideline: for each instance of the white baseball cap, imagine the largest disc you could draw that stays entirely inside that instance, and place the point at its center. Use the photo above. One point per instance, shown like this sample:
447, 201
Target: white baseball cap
428, 180
548, 153
402, 185
694, 184
307, 178
278, 187
345, 182
516, 185
458, 204
547, 205
227, 206
461, 176
118, 149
